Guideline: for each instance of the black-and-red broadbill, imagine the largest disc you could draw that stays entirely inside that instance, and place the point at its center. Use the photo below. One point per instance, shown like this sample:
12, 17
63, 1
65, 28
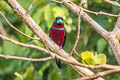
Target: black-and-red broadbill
58, 35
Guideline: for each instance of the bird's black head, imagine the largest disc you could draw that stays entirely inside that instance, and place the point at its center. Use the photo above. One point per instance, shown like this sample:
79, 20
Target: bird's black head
59, 20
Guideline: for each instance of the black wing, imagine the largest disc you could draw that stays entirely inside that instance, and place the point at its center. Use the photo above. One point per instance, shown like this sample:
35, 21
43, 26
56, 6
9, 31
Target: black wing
64, 37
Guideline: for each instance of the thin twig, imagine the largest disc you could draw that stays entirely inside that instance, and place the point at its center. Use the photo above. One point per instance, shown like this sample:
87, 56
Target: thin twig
25, 59
57, 1
77, 54
24, 45
78, 36
100, 74
31, 5
16, 28
99, 13
115, 3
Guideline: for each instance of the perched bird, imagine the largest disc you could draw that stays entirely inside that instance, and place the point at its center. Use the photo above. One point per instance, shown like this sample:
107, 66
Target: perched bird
58, 35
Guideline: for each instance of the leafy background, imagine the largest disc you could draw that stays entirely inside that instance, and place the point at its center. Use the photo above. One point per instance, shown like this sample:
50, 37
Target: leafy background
44, 13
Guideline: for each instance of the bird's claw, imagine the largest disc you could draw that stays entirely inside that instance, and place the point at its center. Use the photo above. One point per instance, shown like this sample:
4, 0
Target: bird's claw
60, 48
50, 39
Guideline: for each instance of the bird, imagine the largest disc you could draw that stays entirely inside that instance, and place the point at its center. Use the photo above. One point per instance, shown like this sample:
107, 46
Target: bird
58, 35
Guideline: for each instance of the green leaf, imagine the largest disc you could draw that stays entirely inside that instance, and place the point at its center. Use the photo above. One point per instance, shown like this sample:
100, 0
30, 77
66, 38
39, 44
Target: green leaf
101, 45
28, 31
25, 3
6, 7
60, 11
110, 51
68, 28
99, 1
37, 16
100, 59
91, 58
19, 75
29, 73
55, 75
21, 37
48, 15
10, 48
87, 57
0, 49
38, 43
45, 66
85, 39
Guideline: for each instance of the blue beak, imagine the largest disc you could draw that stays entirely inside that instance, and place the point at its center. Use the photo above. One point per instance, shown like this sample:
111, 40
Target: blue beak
59, 21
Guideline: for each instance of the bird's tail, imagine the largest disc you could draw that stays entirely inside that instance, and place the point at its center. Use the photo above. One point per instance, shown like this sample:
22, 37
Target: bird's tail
58, 62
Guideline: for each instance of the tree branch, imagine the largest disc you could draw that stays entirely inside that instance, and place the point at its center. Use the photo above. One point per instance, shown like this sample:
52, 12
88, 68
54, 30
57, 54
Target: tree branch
57, 1
31, 5
113, 38
100, 74
113, 3
100, 13
78, 36
25, 59
16, 28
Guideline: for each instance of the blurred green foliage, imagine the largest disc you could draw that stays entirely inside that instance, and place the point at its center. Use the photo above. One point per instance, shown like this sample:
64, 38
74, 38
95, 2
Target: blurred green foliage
93, 58
44, 13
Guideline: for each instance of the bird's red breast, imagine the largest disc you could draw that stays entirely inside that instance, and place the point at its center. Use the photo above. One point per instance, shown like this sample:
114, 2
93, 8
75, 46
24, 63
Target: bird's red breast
57, 34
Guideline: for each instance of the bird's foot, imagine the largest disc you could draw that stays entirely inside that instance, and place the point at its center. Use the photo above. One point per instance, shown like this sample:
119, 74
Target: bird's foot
60, 48
50, 39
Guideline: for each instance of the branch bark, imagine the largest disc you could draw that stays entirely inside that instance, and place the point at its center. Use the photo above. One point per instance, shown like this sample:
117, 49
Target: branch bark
77, 38
25, 59
100, 74
113, 3
112, 39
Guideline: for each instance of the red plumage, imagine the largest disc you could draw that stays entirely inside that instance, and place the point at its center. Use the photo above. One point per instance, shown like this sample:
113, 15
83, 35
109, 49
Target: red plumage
58, 35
